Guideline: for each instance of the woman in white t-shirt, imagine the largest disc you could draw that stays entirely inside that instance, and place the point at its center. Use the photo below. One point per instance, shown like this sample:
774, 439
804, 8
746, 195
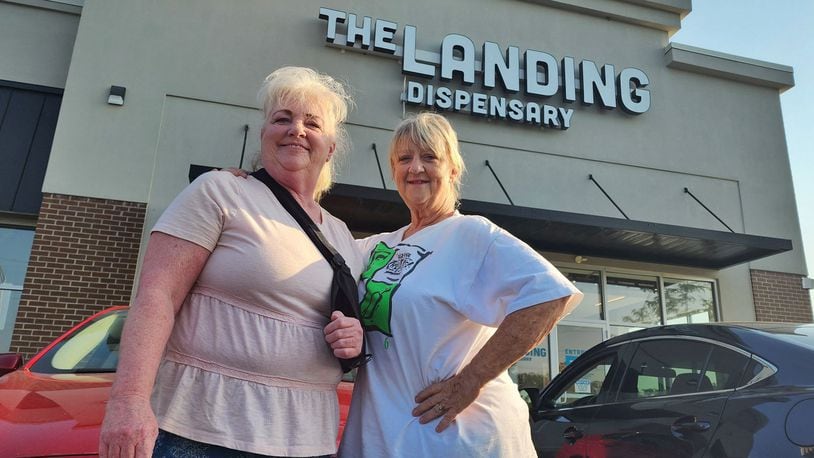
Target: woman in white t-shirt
224, 351
449, 302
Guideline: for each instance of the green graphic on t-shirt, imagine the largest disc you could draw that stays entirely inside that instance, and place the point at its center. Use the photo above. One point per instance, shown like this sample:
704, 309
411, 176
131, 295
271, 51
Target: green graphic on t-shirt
385, 271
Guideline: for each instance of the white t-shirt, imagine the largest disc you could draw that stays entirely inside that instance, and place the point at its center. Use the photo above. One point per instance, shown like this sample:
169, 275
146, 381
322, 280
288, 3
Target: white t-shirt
429, 304
247, 366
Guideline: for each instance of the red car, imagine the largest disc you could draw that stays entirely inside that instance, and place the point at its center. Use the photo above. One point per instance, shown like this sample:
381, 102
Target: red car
54, 404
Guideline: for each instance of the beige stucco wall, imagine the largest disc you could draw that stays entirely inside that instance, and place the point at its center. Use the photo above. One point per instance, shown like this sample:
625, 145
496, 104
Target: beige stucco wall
36, 43
192, 69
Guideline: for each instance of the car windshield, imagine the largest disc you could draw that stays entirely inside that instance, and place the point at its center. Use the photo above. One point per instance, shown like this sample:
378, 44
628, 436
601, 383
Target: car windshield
92, 348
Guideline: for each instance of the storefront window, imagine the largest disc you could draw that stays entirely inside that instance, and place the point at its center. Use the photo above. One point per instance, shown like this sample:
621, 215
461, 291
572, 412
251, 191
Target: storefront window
688, 301
589, 282
534, 369
615, 303
15, 248
633, 300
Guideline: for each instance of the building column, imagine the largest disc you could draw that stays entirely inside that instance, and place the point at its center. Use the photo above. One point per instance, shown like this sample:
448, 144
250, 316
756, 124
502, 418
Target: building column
83, 260
780, 296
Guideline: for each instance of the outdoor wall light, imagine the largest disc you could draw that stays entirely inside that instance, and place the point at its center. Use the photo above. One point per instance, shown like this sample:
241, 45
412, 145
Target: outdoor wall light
116, 96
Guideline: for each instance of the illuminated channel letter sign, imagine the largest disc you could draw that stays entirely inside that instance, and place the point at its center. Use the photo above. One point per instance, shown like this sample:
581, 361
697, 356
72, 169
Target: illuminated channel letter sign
541, 75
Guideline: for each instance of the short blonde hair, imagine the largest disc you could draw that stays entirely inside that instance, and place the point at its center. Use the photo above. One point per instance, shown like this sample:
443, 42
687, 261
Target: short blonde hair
432, 132
304, 86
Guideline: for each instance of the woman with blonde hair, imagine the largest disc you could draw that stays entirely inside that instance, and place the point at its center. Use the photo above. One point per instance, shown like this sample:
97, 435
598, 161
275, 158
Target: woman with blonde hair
230, 347
449, 302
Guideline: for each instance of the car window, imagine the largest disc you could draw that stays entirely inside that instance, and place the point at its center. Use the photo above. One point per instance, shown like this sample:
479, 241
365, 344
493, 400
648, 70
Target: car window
92, 348
754, 372
665, 367
725, 368
584, 388
657, 364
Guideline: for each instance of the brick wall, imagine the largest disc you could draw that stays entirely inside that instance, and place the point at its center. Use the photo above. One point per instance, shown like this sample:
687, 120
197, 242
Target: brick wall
83, 259
780, 297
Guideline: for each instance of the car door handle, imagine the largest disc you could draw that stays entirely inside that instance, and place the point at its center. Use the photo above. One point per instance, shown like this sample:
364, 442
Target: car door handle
690, 425
571, 435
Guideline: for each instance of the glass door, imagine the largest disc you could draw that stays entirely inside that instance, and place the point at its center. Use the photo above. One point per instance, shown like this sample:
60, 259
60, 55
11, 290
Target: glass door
585, 326
573, 339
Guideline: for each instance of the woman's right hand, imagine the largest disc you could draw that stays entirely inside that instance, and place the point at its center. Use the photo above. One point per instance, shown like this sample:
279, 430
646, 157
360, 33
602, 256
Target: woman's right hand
129, 428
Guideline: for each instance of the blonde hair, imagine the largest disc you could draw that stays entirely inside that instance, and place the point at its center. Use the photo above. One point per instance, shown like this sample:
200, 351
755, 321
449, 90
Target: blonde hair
304, 86
432, 132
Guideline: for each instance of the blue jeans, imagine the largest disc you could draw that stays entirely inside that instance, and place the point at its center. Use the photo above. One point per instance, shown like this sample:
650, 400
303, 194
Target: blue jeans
168, 445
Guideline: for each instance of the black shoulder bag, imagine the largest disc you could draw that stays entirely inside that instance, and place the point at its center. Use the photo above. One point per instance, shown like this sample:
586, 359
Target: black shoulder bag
344, 292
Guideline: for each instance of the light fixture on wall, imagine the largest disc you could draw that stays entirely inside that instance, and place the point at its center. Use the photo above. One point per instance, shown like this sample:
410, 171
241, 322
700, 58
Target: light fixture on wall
116, 96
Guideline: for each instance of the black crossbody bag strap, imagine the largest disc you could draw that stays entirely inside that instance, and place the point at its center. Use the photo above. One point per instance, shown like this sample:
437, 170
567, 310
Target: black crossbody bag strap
344, 293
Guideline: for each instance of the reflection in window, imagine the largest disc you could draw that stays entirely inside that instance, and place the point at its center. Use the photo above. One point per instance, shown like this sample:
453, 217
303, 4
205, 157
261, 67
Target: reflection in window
688, 301
534, 369
725, 368
633, 300
589, 283
92, 348
82, 344
15, 248
670, 367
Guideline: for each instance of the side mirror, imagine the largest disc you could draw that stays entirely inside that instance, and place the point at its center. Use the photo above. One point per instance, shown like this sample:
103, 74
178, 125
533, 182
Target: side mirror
10, 362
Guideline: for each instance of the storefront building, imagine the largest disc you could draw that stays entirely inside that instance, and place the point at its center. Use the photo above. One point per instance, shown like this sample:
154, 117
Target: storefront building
655, 175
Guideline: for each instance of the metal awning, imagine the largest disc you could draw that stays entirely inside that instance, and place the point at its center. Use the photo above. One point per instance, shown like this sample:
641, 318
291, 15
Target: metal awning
377, 210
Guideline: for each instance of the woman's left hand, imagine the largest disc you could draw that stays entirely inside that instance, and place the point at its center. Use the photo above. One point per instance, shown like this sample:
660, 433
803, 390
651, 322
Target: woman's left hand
446, 399
344, 334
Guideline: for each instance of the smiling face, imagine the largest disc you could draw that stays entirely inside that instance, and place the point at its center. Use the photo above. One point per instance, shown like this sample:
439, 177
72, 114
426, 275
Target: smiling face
296, 138
424, 178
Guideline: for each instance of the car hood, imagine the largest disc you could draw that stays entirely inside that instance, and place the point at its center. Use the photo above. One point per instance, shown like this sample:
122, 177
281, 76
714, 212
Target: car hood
51, 414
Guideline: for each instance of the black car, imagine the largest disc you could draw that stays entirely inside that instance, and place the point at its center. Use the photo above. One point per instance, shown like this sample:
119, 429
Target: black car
692, 390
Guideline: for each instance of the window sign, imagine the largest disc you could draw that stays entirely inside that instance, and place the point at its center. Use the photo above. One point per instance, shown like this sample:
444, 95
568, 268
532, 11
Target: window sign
583, 385
571, 354
526, 86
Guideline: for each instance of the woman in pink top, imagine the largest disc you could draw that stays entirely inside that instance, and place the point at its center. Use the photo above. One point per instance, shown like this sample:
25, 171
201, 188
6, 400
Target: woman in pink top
230, 347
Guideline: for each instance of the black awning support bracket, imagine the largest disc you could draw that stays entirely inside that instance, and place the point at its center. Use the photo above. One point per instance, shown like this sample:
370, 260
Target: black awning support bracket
591, 177
687, 191
379, 165
243, 150
498, 181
